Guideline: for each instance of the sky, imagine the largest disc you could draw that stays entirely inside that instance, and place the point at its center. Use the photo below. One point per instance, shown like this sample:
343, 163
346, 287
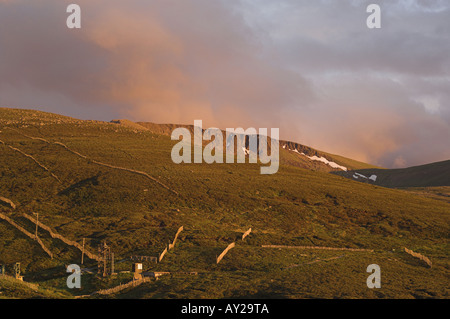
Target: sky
311, 68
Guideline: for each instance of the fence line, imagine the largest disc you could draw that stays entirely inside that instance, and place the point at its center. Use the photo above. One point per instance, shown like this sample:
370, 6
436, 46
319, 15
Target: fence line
162, 254
136, 172
8, 201
100, 163
315, 247
225, 252
35, 160
9, 220
133, 283
420, 256
62, 238
145, 258
172, 245
117, 167
246, 233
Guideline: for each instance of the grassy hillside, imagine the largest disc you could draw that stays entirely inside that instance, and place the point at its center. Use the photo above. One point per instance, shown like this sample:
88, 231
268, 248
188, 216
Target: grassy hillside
138, 215
439, 193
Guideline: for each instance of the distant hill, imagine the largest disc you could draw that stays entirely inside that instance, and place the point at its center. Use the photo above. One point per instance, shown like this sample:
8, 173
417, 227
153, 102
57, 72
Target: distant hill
434, 174
291, 153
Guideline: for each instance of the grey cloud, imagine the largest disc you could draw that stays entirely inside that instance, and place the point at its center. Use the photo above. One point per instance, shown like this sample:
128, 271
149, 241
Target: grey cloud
311, 68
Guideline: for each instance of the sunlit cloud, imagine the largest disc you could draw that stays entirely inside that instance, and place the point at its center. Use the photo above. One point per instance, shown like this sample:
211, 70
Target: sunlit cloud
311, 68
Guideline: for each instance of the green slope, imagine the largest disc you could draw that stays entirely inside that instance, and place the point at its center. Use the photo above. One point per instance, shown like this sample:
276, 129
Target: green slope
216, 205
429, 175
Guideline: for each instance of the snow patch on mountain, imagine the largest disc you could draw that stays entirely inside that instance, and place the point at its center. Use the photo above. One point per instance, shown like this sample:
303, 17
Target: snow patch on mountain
324, 160
321, 159
357, 175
